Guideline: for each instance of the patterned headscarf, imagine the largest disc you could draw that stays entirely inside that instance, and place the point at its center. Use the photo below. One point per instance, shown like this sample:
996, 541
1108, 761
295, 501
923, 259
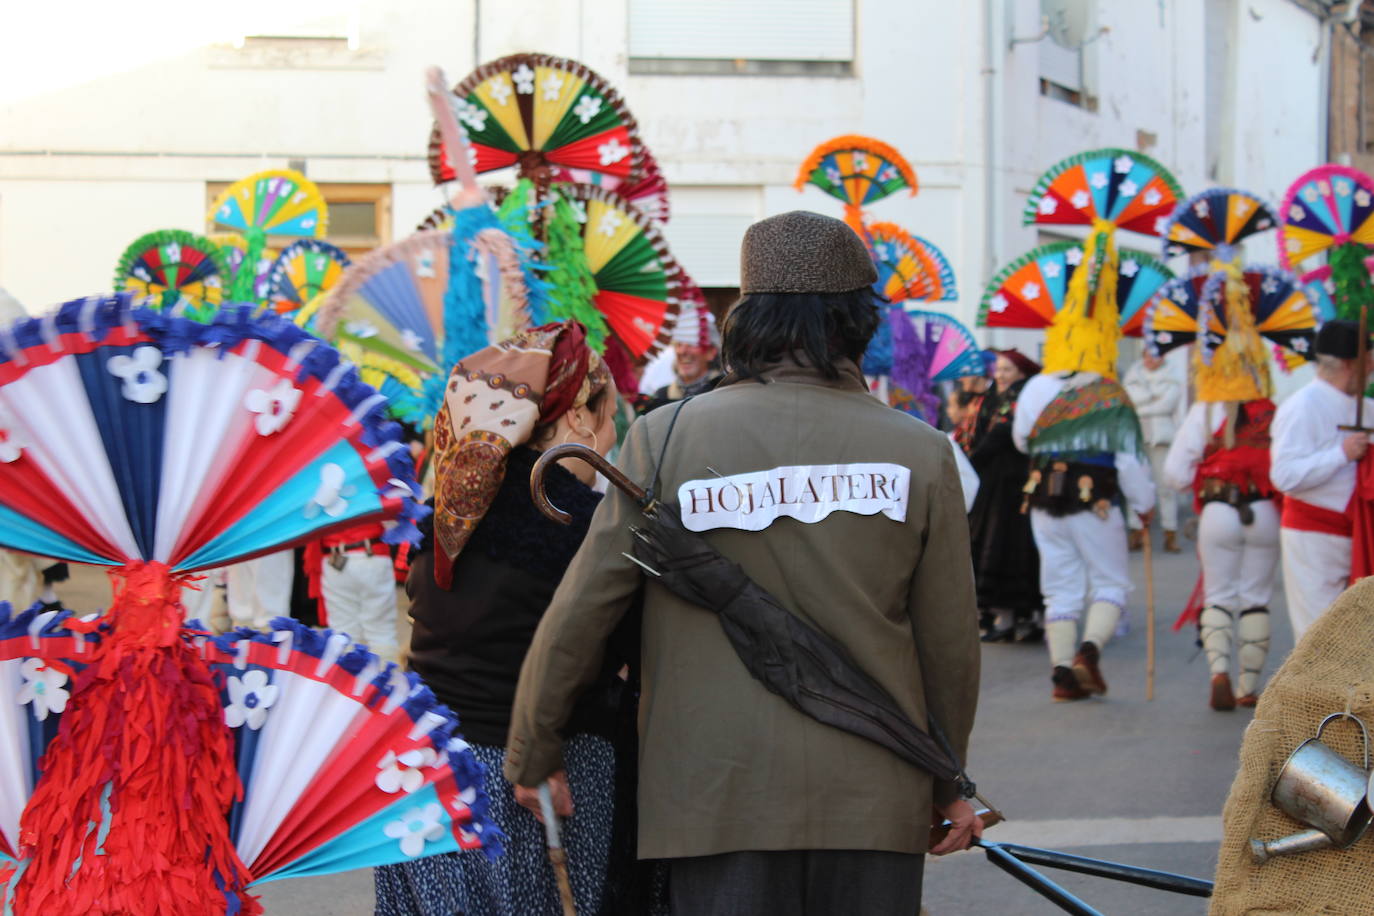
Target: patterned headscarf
494, 401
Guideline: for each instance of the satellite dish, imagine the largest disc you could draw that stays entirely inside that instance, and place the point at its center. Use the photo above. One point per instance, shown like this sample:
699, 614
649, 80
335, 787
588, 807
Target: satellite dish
1069, 21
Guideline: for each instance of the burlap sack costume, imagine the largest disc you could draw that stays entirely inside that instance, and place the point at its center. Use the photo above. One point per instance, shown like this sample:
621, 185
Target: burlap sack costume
1331, 670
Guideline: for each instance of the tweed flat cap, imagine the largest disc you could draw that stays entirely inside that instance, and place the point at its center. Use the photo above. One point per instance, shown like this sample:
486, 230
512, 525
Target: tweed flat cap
803, 252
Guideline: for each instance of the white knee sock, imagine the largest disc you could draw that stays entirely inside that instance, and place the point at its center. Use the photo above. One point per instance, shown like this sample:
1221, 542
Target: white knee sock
1062, 638
1253, 631
1103, 616
1215, 629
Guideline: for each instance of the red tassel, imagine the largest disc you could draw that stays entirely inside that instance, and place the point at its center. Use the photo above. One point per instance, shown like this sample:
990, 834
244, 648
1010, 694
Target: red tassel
131, 812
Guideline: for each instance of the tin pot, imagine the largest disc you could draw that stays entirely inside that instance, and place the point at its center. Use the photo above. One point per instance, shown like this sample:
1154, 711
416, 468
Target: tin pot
1320, 788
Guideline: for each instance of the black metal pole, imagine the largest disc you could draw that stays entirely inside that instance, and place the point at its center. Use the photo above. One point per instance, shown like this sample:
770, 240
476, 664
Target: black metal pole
1037, 882
1146, 877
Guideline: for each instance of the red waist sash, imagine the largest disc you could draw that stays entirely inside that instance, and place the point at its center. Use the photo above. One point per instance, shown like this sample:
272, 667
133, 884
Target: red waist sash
1301, 516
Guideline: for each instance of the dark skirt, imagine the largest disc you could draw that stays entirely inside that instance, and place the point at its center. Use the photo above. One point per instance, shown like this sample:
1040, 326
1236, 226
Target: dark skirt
1006, 565
521, 881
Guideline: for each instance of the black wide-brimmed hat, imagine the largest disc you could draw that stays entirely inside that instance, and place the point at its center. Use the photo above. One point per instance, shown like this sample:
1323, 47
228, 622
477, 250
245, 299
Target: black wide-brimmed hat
1340, 338
803, 252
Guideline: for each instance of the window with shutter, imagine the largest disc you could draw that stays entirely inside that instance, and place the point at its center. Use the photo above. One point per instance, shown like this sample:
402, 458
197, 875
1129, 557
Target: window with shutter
727, 36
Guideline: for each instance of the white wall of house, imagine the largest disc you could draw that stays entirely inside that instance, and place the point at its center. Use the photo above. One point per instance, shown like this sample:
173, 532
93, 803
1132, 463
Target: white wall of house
86, 168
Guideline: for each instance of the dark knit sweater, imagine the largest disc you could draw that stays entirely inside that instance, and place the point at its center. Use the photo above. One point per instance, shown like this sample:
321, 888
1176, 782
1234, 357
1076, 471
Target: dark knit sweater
468, 644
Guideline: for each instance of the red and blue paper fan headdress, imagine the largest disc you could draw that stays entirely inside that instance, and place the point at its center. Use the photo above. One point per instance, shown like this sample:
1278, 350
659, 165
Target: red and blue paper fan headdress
158, 445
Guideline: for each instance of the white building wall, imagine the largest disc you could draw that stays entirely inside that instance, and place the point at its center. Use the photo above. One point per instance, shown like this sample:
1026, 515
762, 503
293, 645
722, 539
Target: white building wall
730, 145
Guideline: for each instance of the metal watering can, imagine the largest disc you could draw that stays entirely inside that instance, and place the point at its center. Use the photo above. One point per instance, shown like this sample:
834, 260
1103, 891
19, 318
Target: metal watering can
1320, 788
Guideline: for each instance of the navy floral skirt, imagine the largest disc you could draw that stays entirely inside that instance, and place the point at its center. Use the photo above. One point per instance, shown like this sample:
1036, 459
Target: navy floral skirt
521, 881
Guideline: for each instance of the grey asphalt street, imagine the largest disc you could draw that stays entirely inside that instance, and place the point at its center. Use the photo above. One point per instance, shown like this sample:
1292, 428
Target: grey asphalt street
1115, 778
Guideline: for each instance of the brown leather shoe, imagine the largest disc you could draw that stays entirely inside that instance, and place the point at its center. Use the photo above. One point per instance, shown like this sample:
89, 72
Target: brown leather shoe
1248, 701
1171, 542
1222, 697
1086, 671
1066, 687
1135, 540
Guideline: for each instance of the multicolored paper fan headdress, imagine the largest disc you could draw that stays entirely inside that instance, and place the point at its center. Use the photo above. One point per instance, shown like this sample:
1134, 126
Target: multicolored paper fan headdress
276, 202
1226, 307
1035, 289
1105, 190
1330, 209
857, 171
184, 273
140, 440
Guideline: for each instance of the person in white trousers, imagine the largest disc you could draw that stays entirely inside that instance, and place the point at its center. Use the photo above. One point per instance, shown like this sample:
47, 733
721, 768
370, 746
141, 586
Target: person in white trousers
1077, 517
1221, 453
1314, 464
358, 588
260, 589
1157, 390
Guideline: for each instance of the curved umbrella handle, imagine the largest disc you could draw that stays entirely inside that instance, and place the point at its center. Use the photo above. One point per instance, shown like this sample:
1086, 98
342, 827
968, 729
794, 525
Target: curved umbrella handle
592, 457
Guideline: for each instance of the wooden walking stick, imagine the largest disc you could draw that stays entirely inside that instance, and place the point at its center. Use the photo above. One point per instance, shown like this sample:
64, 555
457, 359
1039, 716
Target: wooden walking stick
1149, 617
558, 856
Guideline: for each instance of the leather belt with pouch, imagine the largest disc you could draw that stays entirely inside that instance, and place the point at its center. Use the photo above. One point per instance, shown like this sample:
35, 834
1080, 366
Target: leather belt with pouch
1069, 487
1216, 490
338, 554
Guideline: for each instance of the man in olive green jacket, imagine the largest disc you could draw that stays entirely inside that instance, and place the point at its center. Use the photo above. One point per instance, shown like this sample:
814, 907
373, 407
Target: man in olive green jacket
851, 514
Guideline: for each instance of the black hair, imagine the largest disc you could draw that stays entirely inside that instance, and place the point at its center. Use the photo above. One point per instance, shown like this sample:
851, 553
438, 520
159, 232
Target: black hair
763, 328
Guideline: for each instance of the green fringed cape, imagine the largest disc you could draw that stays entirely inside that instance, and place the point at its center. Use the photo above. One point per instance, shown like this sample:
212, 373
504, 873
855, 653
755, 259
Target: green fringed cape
1093, 418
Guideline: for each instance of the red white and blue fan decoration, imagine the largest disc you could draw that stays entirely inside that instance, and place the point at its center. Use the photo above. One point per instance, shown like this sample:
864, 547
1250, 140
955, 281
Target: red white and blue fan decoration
1172, 317
1030, 290
1127, 189
1216, 220
137, 439
346, 761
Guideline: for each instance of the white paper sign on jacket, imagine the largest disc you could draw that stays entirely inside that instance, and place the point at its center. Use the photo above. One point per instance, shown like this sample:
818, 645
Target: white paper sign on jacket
808, 493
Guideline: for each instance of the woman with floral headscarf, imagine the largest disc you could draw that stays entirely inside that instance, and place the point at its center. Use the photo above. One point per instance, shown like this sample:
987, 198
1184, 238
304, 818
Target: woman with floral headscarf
477, 594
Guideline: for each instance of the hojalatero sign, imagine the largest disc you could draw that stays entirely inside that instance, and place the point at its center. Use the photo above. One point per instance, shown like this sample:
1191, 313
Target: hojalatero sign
807, 493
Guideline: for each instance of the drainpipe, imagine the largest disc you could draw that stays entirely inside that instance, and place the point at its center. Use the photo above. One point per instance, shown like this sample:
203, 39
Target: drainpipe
995, 55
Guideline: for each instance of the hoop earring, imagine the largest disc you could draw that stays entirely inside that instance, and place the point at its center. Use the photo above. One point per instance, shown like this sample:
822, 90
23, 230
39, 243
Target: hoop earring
590, 432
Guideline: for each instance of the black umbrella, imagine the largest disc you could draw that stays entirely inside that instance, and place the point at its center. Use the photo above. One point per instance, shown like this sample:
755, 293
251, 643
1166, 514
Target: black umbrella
791, 658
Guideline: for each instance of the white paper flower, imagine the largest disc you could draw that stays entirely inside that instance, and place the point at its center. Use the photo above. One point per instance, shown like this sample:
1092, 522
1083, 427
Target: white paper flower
1123, 164
1080, 199
610, 223
1164, 337
1074, 256
1309, 194
1030, 291
417, 827
11, 442
471, 115
1099, 180
524, 80
274, 406
1048, 205
1051, 269
1201, 208
1129, 268
250, 697
1240, 206
1300, 345
1160, 224
1152, 197
500, 91
588, 107
553, 87
44, 687
833, 174
1270, 285
612, 151
143, 383
1343, 187
1129, 188
579, 209
998, 303
331, 497
1362, 197
402, 773
860, 162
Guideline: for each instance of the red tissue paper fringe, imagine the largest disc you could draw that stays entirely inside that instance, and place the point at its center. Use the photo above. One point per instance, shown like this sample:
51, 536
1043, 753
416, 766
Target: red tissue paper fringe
131, 813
